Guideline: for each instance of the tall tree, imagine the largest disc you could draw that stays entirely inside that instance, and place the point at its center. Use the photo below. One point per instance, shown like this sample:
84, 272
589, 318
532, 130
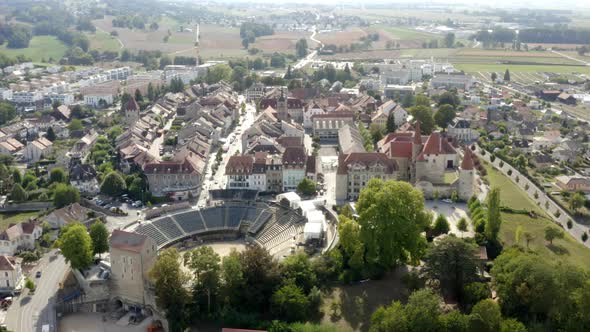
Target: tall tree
76, 245
391, 127
301, 48
507, 75
169, 280
444, 116
450, 40
577, 201
485, 316
100, 238
452, 261
290, 303
494, 219
58, 175
50, 134
64, 195
113, 184
392, 218
204, 262
552, 233
494, 77
18, 194
424, 115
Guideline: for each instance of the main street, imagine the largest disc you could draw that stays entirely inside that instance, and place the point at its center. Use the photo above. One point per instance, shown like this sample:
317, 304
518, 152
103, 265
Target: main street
234, 143
28, 313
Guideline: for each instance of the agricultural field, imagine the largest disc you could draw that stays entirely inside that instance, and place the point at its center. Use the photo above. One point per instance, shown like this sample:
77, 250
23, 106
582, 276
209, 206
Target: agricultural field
40, 48
283, 42
342, 38
568, 248
103, 41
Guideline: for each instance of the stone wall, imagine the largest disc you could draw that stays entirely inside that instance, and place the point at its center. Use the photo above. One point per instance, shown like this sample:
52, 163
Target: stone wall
545, 202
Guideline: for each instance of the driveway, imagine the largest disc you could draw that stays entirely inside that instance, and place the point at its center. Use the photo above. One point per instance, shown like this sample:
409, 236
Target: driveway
28, 313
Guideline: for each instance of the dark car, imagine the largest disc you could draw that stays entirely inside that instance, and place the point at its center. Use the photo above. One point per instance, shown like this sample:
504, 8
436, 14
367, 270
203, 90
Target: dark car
38, 274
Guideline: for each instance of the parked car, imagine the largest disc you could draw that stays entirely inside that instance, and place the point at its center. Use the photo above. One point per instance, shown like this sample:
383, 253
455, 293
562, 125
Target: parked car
38, 274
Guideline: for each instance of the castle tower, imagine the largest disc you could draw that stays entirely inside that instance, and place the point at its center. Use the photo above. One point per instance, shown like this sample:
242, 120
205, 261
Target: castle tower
131, 112
417, 142
466, 171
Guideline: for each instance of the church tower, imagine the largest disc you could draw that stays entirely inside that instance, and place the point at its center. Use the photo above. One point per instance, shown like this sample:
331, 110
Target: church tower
466, 176
416, 149
282, 110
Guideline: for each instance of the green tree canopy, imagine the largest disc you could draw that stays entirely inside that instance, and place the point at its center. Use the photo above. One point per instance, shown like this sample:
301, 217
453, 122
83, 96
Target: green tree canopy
453, 262
494, 220
485, 316
441, 225
392, 218
171, 295
64, 195
75, 124
76, 245
444, 116
58, 175
289, 303
306, 187
100, 238
204, 262
424, 115
113, 184
18, 194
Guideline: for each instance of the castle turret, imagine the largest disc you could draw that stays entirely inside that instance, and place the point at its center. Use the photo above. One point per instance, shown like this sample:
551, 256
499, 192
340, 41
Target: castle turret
466, 171
282, 111
131, 111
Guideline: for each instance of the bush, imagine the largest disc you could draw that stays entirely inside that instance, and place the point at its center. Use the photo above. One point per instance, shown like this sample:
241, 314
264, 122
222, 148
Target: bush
509, 172
492, 158
441, 226
570, 224
501, 164
584, 237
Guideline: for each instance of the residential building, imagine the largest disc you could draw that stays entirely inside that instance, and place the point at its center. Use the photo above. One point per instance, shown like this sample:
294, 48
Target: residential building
326, 126
239, 170
132, 256
357, 168
38, 149
294, 163
460, 129
11, 274
179, 179
84, 178
573, 183
19, 237
72, 213
452, 80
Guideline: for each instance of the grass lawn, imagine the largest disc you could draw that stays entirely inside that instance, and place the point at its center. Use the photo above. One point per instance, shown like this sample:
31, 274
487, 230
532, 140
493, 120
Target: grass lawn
103, 41
40, 48
15, 218
500, 68
568, 248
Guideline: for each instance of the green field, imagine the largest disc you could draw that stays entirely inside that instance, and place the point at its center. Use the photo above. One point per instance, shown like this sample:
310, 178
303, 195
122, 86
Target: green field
14, 218
407, 34
103, 41
568, 248
40, 48
428, 52
490, 67
188, 39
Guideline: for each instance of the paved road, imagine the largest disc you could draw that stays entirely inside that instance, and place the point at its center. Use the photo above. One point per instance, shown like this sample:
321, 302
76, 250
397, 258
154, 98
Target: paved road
29, 313
571, 58
234, 141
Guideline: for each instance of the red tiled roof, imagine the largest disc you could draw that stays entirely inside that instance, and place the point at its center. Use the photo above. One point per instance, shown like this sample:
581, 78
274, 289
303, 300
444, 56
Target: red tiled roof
239, 165
400, 149
294, 155
6, 264
467, 162
174, 167
435, 144
127, 241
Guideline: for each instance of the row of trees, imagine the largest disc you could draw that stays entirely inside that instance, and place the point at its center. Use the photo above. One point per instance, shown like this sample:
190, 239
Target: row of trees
534, 35
79, 245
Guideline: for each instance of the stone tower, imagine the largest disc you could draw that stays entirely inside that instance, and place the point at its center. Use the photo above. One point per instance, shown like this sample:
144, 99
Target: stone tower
466, 171
282, 111
131, 112
416, 149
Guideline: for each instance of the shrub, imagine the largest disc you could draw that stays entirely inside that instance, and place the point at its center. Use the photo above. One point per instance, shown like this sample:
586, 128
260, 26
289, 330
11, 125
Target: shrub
584, 237
557, 213
569, 224
492, 158
441, 225
509, 172
501, 164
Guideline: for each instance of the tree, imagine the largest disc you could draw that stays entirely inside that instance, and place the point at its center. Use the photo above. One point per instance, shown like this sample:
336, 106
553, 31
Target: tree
454, 321
218, 73
552, 233
58, 175
462, 225
50, 134
64, 195
441, 225
17, 177
494, 219
301, 48
232, 277
507, 75
444, 116
113, 184
298, 268
392, 218
424, 115
390, 318
450, 40
75, 124
204, 263
473, 293
7, 112
30, 285
512, 325
169, 280
306, 187
391, 127
528, 237
452, 261
290, 303
100, 238
577, 201
18, 194
423, 310
260, 279
494, 77
485, 316
76, 245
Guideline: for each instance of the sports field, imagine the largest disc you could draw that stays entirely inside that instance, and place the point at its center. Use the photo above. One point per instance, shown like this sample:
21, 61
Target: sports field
40, 48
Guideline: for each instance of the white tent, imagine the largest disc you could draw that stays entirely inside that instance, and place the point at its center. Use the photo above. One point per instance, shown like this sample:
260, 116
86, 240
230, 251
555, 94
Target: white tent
290, 196
316, 217
312, 231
